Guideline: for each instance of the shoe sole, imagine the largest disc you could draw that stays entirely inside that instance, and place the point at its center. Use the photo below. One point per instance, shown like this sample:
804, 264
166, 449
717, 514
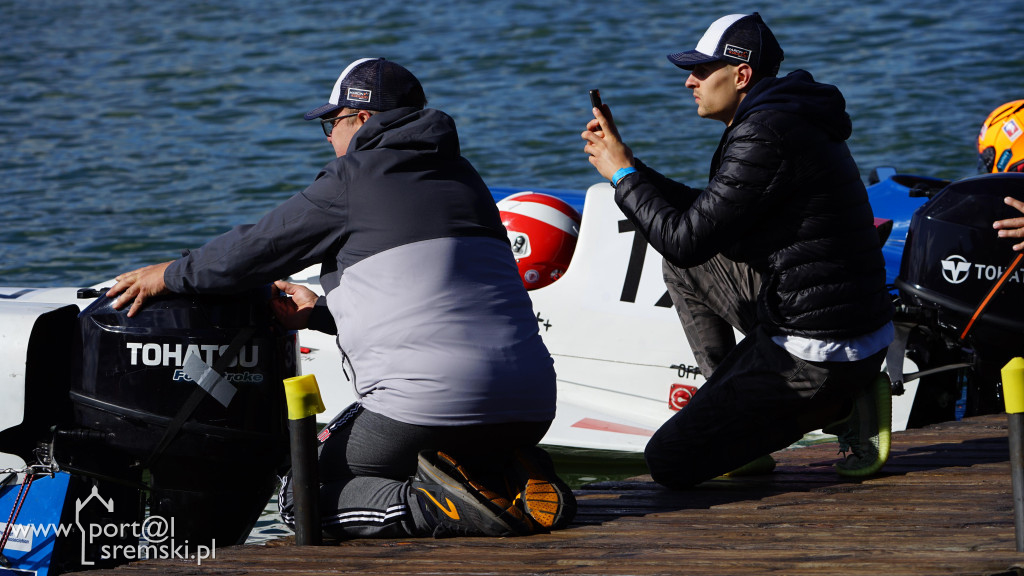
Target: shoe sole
883, 406
760, 465
545, 497
447, 473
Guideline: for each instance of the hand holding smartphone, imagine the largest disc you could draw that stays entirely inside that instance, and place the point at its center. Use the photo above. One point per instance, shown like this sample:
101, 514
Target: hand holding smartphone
595, 101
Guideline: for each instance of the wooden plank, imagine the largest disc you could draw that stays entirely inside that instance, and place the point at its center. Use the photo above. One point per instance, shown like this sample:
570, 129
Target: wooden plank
943, 505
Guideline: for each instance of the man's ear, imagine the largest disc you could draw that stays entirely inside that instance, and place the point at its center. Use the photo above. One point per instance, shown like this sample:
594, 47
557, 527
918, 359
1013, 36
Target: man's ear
744, 75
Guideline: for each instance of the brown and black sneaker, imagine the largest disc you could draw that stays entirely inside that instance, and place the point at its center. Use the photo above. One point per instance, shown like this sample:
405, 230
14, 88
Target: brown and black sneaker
462, 505
538, 490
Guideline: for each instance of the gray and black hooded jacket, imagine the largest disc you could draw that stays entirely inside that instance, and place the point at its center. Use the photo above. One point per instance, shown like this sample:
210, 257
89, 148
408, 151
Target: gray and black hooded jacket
423, 289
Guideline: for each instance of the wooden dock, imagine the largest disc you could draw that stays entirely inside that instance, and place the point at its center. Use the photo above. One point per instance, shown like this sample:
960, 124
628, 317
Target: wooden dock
943, 505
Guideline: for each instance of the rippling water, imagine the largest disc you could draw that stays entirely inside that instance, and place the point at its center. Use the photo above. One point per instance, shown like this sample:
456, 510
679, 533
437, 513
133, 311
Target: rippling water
132, 129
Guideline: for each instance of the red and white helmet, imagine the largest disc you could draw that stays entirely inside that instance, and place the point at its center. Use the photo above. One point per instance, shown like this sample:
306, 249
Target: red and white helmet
543, 231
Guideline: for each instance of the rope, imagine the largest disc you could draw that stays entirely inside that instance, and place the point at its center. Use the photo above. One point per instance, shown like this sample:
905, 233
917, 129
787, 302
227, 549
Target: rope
575, 357
18, 502
984, 303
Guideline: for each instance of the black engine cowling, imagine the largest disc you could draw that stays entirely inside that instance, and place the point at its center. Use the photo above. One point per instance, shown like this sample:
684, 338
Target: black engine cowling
211, 466
952, 260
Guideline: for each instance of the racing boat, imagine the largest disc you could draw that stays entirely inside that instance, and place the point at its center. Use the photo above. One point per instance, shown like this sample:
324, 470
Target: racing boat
622, 362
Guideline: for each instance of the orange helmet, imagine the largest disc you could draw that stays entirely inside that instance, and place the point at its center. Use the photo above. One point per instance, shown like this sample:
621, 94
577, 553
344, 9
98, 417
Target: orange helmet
543, 231
1000, 146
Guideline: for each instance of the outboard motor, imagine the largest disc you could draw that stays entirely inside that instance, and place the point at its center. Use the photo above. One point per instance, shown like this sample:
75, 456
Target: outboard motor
957, 288
178, 410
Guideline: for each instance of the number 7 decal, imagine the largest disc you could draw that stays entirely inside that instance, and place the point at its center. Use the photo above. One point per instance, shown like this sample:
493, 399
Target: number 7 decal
635, 266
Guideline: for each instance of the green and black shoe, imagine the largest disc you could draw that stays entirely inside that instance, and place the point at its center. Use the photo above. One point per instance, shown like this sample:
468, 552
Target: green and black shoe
865, 436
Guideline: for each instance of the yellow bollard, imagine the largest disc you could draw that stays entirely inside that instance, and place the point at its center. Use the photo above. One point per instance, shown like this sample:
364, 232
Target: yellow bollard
1013, 397
1013, 386
304, 402
303, 396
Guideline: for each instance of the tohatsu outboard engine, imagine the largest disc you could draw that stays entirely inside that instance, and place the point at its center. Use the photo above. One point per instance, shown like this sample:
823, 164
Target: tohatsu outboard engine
961, 287
176, 413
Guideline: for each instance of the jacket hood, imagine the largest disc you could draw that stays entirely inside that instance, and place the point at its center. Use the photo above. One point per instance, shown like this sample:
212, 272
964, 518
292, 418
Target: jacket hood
798, 93
424, 131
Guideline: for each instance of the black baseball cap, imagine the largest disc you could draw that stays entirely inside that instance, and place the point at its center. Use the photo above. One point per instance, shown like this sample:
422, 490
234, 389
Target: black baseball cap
372, 84
735, 39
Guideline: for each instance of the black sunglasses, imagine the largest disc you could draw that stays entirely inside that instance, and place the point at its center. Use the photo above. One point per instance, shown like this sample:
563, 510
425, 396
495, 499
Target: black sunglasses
328, 123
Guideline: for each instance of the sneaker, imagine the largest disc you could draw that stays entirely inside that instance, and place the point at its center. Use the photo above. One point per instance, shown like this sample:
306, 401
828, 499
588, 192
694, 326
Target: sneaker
867, 432
461, 506
538, 490
760, 465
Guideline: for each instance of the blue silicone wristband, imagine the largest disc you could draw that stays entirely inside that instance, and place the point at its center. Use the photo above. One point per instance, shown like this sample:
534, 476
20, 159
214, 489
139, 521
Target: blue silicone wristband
621, 173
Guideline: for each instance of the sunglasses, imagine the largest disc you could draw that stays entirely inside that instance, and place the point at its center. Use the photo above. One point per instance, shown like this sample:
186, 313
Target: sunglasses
328, 123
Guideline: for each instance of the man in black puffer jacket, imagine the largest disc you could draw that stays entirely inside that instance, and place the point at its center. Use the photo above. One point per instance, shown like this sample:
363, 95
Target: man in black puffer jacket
780, 245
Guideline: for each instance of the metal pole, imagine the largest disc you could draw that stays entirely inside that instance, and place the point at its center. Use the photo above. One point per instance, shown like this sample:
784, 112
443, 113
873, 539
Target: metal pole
1013, 396
304, 403
305, 481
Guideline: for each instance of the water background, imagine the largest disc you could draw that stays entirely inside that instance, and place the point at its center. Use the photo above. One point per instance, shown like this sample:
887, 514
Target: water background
130, 129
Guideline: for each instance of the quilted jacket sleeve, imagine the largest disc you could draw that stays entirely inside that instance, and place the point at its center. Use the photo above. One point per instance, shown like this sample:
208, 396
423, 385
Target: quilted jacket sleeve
750, 169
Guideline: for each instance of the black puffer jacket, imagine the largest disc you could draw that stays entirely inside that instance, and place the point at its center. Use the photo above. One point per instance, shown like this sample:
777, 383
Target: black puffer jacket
785, 196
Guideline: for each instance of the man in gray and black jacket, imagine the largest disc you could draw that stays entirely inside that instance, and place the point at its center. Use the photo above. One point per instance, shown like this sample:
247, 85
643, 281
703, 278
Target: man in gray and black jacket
780, 245
434, 326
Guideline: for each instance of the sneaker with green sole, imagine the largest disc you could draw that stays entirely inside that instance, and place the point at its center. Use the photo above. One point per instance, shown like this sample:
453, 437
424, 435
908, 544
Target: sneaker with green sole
760, 465
461, 505
865, 436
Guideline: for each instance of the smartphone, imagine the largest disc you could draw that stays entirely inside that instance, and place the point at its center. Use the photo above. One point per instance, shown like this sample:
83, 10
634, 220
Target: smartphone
595, 99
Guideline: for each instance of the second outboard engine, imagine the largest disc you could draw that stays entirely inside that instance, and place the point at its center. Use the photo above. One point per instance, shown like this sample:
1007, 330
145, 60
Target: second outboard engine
953, 261
110, 421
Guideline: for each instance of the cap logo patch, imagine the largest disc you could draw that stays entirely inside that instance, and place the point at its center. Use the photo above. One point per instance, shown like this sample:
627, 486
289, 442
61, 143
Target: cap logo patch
736, 52
358, 95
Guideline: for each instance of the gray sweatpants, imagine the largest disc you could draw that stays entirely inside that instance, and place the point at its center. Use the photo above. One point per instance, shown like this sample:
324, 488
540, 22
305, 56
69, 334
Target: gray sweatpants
366, 461
711, 300
758, 398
